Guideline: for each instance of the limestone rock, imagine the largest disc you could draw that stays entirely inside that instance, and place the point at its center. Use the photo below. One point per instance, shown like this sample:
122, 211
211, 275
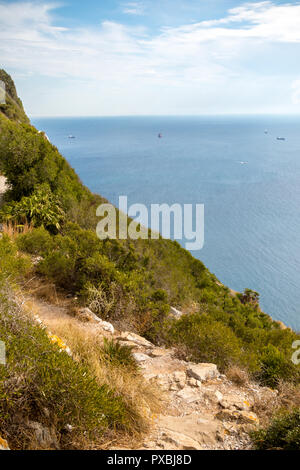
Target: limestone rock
163, 380
241, 417
180, 441
158, 352
133, 337
175, 313
179, 377
106, 326
86, 315
45, 438
194, 382
140, 357
188, 395
234, 402
192, 429
202, 371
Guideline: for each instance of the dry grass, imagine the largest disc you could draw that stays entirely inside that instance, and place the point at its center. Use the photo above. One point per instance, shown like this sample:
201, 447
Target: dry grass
267, 404
85, 341
14, 230
237, 375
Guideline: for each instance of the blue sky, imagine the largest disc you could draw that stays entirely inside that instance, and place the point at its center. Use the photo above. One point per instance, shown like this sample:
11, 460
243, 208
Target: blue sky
152, 57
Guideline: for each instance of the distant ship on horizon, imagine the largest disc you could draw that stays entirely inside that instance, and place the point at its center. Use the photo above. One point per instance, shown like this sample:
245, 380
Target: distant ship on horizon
159, 135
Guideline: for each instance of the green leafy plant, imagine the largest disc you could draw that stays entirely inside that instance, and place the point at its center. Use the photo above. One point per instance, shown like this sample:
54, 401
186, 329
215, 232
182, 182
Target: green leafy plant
118, 354
40, 208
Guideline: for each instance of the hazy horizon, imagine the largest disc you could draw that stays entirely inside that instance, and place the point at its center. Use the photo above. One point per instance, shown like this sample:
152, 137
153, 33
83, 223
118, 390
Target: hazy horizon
152, 57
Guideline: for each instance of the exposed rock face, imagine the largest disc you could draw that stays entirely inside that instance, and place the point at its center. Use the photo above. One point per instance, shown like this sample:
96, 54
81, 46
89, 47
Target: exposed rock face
203, 371
45, 437
86, 315
136, 339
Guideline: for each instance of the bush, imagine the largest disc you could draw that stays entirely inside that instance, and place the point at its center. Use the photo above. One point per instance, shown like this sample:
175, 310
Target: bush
36, 242
13, 266
276, 366
282, 433
38, 376
206, 340
28, 161
117, 354
41, 208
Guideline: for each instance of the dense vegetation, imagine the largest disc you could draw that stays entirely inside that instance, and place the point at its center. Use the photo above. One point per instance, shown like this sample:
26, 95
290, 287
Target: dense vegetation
41, 383
13, 107
283, 433
132, 283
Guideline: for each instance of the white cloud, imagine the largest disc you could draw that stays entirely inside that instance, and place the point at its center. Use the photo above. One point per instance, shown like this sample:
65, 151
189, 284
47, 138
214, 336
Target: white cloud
210, 55
134, 8
296, 92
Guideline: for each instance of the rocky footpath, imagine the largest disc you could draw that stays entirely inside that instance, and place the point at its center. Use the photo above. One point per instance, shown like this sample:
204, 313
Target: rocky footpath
202, 409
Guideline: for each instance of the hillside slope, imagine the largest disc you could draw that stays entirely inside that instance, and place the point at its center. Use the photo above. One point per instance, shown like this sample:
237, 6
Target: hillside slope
49, 226
13, 107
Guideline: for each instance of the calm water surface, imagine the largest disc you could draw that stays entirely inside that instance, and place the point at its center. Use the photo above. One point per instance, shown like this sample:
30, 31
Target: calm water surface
252, 210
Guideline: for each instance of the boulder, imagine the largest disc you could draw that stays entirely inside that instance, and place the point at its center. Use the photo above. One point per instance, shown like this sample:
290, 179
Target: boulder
194, 430
106, 326
179, 441
133, 337
202, 371
86, 315
140, 357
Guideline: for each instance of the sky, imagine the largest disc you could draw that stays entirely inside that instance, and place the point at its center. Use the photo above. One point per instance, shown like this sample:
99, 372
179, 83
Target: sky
152, 57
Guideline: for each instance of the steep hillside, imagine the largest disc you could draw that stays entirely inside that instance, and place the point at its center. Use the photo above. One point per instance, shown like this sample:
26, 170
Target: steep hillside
13, 107
49, 222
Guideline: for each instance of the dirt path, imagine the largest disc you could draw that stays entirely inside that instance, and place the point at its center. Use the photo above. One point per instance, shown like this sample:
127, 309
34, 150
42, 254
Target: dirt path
203, 409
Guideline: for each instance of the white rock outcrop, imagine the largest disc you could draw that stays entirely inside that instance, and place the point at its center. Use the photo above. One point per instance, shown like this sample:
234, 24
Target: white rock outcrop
202, 371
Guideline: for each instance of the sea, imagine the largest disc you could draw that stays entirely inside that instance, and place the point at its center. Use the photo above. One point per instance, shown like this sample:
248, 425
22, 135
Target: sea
247, 179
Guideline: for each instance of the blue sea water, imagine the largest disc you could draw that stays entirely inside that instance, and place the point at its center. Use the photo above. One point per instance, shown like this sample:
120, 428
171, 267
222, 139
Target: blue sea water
252, 210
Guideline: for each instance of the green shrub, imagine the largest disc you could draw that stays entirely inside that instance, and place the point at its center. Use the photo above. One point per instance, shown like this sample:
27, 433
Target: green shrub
13, 266
36, 242
282, 433
275, 366
206, 340
117, 354
28, 161
38, 376
41, 208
